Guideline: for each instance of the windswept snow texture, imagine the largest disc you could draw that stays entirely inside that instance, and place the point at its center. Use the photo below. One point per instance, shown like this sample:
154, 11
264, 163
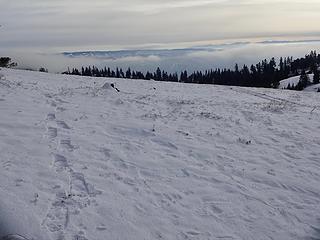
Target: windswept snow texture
156, 160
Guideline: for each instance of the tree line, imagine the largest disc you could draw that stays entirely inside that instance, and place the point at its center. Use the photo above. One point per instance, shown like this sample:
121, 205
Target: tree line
267, 73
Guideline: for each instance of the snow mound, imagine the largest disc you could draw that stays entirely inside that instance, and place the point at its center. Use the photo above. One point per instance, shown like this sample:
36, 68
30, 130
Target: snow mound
156, 160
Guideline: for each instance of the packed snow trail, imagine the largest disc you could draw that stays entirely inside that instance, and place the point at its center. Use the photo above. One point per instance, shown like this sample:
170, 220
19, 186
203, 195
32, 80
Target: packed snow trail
80, 160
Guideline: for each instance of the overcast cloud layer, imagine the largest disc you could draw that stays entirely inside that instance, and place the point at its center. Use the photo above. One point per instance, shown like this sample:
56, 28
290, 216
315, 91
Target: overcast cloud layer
100, 24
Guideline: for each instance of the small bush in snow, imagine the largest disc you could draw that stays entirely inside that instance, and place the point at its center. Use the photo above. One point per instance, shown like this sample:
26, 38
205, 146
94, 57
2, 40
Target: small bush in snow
6, 62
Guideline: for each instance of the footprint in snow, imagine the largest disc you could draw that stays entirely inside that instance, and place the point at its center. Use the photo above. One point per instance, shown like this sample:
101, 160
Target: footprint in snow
106, 152
79, 186
60, 109
66, 144
60, 162
19, 182
57, 218
48, 95
63, 125
52, 103
52, 132
51, 116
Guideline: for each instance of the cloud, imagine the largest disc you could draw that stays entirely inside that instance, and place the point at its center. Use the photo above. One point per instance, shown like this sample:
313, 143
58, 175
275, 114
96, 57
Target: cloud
67, 25
202, 58
151, 7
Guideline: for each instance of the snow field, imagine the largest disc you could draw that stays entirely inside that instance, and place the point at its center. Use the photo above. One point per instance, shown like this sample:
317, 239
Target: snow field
156, 160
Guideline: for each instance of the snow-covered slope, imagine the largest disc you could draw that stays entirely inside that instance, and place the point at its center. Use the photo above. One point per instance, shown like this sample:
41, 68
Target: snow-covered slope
312, 88
156, 160
293, 81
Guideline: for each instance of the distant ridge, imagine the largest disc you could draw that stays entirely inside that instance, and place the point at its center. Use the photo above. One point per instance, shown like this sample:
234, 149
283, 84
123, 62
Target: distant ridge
113, 54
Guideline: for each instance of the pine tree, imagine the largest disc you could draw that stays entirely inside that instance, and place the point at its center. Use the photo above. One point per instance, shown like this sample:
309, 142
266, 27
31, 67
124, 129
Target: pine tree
158, 74
236, 68
117, 73
128, 73
304, 80
149, 76
316, 77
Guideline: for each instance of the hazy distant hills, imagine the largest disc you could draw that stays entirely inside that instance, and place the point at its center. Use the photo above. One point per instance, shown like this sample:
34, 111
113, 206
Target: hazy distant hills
153, 52
133, 53
176, 52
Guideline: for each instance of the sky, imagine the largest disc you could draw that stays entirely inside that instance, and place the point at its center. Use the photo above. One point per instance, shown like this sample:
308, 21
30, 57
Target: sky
54, 26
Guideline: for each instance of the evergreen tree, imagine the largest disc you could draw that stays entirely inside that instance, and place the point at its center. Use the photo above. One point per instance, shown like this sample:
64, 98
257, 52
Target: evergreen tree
149, 76
304, 81
158, 74
128, 73
316, 77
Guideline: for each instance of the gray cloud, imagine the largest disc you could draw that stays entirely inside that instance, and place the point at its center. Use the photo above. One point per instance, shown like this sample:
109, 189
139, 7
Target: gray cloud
99, 24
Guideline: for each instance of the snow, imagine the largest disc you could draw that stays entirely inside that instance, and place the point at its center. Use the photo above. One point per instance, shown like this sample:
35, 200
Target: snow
312, 88
156, 160
293, 81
